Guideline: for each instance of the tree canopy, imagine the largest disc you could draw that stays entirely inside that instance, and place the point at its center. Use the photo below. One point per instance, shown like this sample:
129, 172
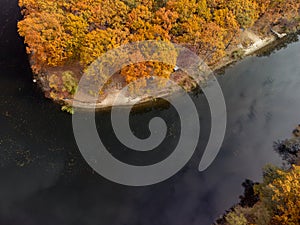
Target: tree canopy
61, 32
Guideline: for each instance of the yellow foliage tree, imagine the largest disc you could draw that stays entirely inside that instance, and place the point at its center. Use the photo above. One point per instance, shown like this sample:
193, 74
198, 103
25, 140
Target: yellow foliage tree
279, 194
286, 193
245, 11
60, 32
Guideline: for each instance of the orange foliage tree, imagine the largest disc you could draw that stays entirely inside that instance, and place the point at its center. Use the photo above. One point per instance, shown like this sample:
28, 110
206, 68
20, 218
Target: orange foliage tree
61, 32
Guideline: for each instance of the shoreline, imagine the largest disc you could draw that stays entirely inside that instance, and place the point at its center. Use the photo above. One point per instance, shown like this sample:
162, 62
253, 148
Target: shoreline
141, 101
251, 50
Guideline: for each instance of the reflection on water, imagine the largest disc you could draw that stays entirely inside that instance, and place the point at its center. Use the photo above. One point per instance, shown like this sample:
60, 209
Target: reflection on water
44, 179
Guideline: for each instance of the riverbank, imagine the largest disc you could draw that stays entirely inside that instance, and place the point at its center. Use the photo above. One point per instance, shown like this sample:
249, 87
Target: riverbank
60, 83
241, 52
234, 55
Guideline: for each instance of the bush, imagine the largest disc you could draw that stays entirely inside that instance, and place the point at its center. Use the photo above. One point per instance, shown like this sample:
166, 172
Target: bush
236, 218
67, 108
69, 82
238, 54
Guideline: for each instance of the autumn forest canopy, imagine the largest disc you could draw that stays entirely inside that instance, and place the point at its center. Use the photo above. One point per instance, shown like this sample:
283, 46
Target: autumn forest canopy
62, 32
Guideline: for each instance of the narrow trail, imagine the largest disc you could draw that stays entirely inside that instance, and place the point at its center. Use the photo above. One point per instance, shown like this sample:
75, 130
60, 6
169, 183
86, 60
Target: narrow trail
252, 36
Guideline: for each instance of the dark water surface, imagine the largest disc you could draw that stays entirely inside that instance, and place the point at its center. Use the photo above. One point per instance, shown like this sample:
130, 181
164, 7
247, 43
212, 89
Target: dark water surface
44, 180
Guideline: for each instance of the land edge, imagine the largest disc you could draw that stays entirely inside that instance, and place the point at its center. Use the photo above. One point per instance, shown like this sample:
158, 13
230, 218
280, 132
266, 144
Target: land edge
146, 100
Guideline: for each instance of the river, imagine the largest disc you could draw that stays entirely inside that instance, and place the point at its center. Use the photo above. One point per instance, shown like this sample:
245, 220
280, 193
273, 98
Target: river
44, 179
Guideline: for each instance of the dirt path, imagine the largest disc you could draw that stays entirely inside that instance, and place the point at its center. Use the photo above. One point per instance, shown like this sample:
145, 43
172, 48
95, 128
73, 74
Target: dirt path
252, 36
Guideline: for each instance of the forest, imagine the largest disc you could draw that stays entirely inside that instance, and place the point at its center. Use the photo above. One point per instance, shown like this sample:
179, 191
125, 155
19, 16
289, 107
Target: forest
274, 201
279, 202
59, 33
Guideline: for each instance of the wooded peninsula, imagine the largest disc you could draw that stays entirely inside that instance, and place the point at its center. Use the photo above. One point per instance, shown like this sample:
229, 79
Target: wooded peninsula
64, 37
